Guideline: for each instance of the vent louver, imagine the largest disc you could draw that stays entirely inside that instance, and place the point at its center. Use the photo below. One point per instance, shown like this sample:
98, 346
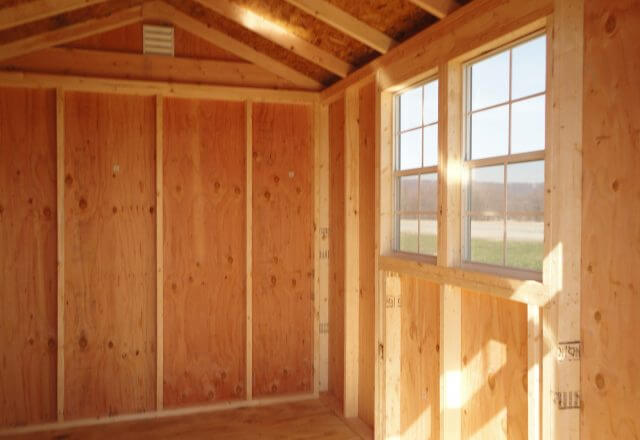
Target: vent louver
157, 40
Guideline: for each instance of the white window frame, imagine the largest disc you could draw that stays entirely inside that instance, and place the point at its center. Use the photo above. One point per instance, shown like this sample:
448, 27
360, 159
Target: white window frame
505, 160
397, 173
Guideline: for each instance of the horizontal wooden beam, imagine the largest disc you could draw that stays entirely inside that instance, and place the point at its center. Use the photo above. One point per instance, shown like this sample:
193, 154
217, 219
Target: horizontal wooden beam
279, 35
166, 12
478, 23
526, 292
151, 88
346, 23
71, 32
437, 8
38, 9
68, 61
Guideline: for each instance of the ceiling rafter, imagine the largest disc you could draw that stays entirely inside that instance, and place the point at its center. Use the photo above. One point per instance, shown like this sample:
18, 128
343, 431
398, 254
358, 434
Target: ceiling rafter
346, 23
278, 35
165, 12
437, 8
71, 32
38, 9
97, 63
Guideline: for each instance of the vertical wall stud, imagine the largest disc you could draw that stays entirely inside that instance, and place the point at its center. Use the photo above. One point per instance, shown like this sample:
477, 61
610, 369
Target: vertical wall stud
449, 248
159, 253
249, 256
60, 210
352, 284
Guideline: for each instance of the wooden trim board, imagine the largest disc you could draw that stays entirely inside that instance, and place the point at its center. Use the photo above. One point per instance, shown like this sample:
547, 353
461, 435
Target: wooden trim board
159, 253
249, 254
60, 238
153, 88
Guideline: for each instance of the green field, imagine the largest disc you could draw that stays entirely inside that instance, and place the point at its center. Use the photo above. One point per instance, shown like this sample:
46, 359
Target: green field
520, 254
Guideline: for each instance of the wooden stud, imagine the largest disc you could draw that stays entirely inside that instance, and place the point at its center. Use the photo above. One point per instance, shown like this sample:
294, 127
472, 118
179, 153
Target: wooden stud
563, 215
166, 12
278, 35
534, 371
60, 210
322, 247
159, 253
449, 248
153, 88
393, 356
351, 240
437, 8
37, 10
249, 253
70, 33
72, 61
336, 17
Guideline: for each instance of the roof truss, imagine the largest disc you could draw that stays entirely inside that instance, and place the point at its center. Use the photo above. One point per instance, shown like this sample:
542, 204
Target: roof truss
39, 9
437, 8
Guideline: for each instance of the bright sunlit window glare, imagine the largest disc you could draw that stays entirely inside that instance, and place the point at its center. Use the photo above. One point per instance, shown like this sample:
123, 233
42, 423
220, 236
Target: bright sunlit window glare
503, 194
416, 169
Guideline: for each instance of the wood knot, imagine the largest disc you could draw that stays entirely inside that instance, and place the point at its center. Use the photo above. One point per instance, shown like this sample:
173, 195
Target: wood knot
178, 188
293, 282
599, 381
610, 24
152, 209
110, 344
223, 375
51, 343
211, 395
82, 203
216, 185
276, 179
273, 280
274, 388
597, 316
68, 179
239, 390
267, 195
615, 185
285, 373
298, 190
237, 190
174, 286
30, 200
47, 212
31, 341
114, 209
230, 259
82, 342
437, 348
1, 209
275, 260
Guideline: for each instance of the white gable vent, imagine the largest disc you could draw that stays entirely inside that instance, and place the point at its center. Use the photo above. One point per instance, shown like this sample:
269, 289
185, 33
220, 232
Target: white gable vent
157, 40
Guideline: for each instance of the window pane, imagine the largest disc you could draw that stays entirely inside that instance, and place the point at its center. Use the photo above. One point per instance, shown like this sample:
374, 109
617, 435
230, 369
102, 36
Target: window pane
430, 145
528, 125
490, 133
429, 192
529, 67
430, 102
428, 235
525, 187
411, 109
525, 242
486, 241
490, 81
408, 193
486, 189
410, 149
408, 233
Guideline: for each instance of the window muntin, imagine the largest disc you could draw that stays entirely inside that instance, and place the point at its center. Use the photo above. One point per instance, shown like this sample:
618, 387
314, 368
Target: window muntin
416, 169
503, 199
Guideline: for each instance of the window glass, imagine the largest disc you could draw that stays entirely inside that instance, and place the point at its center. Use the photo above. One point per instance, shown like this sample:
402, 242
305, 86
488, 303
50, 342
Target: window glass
410, 149
409, 102
408, 233
408, 193
525, 242
527, 125
490, 81
487, 189
430, 105
490, 133
529, 70
430, 145
487, 238
428, 234
525, 187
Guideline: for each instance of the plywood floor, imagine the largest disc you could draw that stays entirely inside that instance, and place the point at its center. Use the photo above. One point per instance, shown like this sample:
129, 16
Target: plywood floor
300, 420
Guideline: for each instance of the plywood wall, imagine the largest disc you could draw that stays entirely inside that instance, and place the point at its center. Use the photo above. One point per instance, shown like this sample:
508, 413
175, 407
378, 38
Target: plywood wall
110, 281
367, 229
336, 249
283, 260
420, 358
28, 280
204, 251
610, 378
494, 362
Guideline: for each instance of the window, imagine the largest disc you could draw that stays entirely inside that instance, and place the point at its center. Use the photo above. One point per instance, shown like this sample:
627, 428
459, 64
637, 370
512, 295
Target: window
503, 194
416, 170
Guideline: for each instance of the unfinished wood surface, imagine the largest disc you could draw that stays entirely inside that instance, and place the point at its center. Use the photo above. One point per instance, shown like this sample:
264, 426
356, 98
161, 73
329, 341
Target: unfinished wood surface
610, 278
336, 17
308, 419
159, 252
352, 257
494, 373
166, 12
60, 246
336, 249
109, 64
28, 296
110, 267
204, 251
282, 249
25, 12
437, 8
391, 348
70, 32
420, 383
248, 114
367, 254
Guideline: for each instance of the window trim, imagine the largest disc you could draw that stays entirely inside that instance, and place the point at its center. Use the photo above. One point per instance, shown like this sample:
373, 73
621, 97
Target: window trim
467, 164
396, 173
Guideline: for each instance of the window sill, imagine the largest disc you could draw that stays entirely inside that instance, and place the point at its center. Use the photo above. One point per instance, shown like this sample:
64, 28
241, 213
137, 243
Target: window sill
522, 291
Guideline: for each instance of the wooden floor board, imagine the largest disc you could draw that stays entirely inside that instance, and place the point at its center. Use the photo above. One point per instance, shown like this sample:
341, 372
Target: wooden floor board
309, 419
